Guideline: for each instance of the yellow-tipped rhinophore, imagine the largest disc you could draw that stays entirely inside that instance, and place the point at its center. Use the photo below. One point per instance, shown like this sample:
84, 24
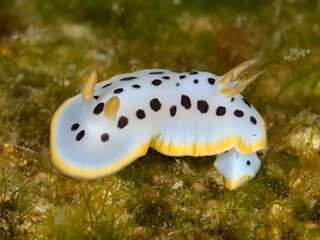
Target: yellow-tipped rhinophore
111, 108
87, 88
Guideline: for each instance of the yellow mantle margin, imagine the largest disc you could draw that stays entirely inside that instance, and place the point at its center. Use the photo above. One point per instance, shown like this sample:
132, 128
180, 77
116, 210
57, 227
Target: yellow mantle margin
208, 149
97, 172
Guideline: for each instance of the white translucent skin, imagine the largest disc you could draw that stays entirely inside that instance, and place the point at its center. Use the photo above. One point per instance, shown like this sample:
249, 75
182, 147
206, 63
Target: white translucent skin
188, 126
236, 167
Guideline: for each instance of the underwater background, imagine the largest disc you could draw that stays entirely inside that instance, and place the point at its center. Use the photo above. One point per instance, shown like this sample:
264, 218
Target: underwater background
46, 47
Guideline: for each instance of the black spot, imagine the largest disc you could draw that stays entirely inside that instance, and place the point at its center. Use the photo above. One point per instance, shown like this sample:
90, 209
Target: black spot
80, 135
136, 86
156, 82
246, 102
128, 78
182, 76
166, 77
96, 97
173, 111
104, 137
122, 122
193, 73
238, 113
155, 104
202, 106
196, 81
75, 126
177, 84
221, 111
185, 102
153, 73
140, 114
248, 163
211, 81
106, 85
98, 109
232, 99
118, 90
253, 120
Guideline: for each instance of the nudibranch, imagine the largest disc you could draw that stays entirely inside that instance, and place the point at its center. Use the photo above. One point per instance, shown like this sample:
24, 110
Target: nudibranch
114, 122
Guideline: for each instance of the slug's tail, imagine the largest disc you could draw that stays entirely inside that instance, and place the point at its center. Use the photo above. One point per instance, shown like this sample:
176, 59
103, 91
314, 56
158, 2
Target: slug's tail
238, 78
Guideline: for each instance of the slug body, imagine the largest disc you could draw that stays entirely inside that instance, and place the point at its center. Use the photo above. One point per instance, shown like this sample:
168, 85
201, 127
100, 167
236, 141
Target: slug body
114, 122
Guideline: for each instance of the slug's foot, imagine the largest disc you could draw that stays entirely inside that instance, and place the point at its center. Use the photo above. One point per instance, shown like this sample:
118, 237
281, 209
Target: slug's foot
237, 168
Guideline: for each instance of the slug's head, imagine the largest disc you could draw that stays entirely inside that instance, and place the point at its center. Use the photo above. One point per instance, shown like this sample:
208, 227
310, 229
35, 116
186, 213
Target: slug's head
237, 168
93, 137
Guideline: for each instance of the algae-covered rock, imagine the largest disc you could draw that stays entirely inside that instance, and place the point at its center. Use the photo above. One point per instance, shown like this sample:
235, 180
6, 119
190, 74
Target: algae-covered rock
46, 47
301, 136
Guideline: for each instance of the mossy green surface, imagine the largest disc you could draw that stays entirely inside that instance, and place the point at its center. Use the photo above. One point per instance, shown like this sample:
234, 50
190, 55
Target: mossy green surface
46, 47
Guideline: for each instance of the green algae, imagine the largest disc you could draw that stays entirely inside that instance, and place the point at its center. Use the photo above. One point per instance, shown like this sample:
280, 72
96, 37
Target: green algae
46, 47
